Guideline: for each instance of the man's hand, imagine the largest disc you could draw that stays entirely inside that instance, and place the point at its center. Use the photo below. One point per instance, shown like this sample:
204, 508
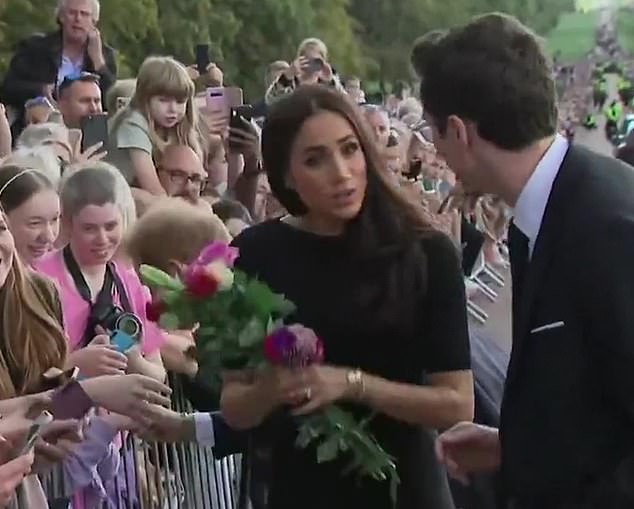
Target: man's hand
95, 50
469, 448
169, 426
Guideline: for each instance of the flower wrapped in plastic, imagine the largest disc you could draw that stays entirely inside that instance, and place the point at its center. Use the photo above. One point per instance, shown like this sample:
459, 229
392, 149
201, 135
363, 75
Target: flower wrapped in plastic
239, 324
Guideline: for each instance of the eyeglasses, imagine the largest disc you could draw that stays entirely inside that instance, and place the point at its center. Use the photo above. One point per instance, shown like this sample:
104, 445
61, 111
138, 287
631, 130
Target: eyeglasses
181, 178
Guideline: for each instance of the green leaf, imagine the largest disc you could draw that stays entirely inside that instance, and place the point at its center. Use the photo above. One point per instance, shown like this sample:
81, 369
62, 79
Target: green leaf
207, 331
252, 334
156, 278
328, 450
171, 297
169, 321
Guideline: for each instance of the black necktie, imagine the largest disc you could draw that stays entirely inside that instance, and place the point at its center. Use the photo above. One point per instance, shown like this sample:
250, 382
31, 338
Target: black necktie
518, 252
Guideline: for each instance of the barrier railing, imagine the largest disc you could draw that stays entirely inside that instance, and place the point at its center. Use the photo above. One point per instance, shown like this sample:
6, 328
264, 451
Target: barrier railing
162, 475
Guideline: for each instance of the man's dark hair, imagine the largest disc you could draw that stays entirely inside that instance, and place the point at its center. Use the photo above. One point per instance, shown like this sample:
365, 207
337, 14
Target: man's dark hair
422, 45
69, 81
493, 72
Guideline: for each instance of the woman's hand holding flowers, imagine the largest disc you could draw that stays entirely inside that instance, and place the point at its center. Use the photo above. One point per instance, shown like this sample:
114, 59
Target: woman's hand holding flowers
320, 386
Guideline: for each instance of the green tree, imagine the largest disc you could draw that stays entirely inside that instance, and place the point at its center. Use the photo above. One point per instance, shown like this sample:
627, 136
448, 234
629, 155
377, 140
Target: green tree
370, 38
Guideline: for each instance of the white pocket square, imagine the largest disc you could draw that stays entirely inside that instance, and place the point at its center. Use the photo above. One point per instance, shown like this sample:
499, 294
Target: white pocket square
549, 326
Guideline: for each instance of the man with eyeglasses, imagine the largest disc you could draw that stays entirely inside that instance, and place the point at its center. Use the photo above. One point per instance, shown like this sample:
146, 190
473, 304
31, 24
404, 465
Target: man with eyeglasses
182, 174
42, 62
79, 96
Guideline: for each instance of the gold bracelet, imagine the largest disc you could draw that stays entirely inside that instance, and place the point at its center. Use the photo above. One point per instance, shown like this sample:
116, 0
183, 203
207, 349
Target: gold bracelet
356, 383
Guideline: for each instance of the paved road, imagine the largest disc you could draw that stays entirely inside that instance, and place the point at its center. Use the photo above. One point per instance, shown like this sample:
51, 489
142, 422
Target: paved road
498, 325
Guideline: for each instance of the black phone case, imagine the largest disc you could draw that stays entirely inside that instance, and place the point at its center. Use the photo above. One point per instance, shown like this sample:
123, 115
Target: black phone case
94, 129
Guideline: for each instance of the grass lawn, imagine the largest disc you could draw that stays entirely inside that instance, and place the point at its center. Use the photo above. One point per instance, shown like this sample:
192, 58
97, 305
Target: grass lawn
573, 37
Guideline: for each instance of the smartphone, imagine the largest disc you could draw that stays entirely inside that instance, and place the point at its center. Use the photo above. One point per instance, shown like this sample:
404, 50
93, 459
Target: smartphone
70, 402
314, 65
222, 99
202, 58
55, 378
35, 432
216, 101
239, 115
94, 129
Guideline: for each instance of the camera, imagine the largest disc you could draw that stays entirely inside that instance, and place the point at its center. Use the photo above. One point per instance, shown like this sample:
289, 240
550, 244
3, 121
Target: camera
125, 328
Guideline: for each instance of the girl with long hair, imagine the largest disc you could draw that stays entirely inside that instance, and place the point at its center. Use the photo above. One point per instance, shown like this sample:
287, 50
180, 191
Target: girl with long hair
31, 204
380, 286
160, 113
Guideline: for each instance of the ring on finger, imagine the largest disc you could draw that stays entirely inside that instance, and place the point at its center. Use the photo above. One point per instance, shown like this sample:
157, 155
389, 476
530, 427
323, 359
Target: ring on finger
308, 393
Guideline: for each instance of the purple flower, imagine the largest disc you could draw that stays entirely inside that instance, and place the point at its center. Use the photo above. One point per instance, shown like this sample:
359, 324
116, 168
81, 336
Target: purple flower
217, 251
293, 346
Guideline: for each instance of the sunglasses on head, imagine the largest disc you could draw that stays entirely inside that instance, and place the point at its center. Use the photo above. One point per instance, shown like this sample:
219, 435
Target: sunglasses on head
38, 101
77, 76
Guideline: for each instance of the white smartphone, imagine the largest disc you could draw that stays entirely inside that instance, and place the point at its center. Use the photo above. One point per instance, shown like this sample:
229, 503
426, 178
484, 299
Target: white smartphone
222, 99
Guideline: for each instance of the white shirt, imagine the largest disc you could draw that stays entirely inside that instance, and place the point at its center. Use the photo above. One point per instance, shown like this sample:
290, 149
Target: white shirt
68, 68
204, 426
531, 205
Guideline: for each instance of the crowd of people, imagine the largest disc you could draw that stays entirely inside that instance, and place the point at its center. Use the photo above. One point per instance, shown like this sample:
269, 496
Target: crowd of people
349, 205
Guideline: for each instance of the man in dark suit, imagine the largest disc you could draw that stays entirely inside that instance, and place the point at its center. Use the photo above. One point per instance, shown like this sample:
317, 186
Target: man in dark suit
566, 436
41, 62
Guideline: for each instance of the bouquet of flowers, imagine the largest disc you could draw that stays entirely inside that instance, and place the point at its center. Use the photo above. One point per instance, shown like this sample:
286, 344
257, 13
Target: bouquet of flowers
238, 324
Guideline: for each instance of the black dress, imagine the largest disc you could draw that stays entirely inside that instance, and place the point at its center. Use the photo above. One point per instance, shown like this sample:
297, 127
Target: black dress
336, 295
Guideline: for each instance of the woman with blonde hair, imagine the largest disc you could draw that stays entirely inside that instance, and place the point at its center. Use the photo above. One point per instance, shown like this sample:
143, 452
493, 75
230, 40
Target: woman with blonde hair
310, 67
160, 113
43, 157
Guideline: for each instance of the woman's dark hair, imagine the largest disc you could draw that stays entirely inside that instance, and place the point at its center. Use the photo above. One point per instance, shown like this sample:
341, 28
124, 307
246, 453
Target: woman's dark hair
384, 207
388, 224
18, 185
231, 209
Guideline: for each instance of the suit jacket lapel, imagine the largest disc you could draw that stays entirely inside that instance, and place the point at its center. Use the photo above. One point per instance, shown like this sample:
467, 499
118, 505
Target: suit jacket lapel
549, 236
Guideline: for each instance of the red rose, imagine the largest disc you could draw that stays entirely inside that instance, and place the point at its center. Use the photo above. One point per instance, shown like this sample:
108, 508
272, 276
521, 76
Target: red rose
199, 282
154, 310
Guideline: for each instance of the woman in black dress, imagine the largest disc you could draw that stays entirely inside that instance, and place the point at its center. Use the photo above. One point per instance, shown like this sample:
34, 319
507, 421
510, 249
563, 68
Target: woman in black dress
383, 290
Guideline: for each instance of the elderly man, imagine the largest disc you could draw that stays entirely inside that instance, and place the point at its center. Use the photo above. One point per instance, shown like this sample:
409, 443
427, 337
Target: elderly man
42, 62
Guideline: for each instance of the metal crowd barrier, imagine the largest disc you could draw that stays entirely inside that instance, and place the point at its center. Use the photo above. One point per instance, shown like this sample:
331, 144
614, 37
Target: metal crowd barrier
163, 476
